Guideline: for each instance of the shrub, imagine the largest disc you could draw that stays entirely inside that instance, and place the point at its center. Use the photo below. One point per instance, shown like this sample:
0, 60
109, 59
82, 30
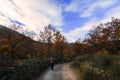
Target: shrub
101, 66
90, 75
114, 72
84, 58
24, 71
103, 60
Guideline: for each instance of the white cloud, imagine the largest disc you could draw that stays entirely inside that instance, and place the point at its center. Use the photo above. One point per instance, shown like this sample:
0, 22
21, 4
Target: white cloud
35, 14
80, 32
87, 8
101, 4
113, 12
73, 7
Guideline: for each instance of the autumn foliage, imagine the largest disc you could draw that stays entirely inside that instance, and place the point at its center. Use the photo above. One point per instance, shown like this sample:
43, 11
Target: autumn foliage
51, 41
105, 36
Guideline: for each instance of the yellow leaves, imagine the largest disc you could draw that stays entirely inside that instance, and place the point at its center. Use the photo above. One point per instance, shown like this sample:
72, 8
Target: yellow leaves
67, 53
5, 49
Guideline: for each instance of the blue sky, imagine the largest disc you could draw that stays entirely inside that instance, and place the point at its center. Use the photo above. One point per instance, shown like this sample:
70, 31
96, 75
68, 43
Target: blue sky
74, 18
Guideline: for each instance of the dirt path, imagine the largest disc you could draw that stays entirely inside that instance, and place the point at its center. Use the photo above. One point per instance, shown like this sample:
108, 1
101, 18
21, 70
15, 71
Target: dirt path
60, 72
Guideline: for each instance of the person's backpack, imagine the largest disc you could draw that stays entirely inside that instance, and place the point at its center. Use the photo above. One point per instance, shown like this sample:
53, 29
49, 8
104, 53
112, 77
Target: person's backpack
52, 59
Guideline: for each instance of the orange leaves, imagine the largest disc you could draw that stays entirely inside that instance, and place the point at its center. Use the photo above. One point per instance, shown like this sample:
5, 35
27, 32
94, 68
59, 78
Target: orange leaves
110, 32
7, 42
17, 39
105, 36
4, 41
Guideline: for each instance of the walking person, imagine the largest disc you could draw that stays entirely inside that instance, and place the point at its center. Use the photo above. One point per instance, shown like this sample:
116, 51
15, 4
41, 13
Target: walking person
52, 62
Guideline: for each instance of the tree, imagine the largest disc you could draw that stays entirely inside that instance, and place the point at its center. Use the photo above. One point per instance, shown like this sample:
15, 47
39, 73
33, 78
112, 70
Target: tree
68, 52
20, 45
10, 38
106, 36
46, 38
59, 44
77, 48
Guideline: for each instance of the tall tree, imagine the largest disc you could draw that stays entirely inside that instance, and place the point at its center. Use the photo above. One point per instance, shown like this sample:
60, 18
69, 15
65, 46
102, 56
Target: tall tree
59, 44
46, 38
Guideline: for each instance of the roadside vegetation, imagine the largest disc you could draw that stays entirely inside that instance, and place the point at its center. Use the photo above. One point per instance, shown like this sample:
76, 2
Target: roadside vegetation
23, 58
101, 60
97, 67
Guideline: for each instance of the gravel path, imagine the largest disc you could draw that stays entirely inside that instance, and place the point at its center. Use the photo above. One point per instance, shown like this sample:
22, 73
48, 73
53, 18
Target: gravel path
60, 72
